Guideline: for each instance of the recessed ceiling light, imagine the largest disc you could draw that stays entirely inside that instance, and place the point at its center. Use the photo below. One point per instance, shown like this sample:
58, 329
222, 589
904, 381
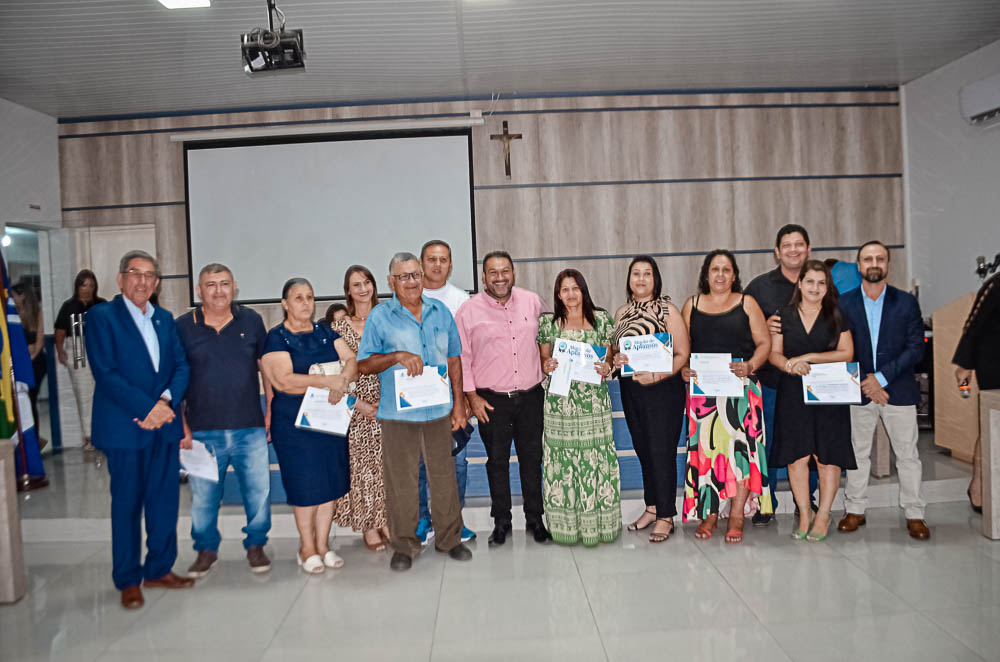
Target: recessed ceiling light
185, 4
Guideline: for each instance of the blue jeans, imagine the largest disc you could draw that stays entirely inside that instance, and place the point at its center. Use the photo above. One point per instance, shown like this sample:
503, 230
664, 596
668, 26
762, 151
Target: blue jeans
461, 475
246, 450
769, 397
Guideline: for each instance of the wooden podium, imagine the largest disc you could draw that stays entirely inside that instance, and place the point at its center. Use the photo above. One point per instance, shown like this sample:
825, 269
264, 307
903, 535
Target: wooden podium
956, 419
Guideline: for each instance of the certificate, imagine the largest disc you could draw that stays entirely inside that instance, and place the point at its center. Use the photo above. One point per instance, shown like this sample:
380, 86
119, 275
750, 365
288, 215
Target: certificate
317, 414
714, 376
832, 383
576, 363
199, 462
430, 388
648, 353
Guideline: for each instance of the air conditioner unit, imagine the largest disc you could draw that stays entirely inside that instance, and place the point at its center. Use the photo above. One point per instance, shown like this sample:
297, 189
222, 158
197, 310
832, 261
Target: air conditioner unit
980, 102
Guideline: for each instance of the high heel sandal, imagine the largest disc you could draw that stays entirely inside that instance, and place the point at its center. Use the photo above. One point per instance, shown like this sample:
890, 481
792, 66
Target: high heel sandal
975, 508
707, 527
655, 537
634, 526
799, 534
818, 537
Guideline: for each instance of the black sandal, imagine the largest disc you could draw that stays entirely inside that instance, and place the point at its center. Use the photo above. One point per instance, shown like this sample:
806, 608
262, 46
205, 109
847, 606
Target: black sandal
655, 537
634, 526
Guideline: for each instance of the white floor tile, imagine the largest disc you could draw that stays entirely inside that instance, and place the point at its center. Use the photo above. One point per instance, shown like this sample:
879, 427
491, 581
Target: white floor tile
884, 637
976, 627
809, 589
750, 644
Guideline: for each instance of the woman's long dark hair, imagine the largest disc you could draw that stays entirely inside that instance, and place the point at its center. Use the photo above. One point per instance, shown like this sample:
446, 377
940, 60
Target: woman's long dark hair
703, 276
358, 269
657, 279
829, 310
81, 278
559, 308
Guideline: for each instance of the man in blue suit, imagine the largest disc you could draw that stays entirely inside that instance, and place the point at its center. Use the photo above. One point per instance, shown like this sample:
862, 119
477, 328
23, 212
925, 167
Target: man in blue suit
888, 334
141, 373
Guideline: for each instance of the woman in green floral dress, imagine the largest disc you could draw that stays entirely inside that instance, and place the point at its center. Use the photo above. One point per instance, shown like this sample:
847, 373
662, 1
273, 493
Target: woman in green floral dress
581, 481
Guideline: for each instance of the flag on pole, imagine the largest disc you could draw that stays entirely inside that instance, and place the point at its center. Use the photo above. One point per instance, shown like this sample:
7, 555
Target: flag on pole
14, 355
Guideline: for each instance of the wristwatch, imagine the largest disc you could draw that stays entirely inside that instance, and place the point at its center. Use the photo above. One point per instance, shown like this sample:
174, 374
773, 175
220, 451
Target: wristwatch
352, 388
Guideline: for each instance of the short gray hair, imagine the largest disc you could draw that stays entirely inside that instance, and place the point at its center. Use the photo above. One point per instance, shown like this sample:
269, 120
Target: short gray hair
214, 268
402, 256
138, 254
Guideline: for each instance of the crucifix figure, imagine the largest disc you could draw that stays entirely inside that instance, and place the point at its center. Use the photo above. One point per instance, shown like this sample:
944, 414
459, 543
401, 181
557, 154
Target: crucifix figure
506, 138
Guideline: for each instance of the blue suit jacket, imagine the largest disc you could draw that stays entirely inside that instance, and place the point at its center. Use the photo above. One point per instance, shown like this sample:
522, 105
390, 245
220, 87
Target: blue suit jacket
900, 341
126, 385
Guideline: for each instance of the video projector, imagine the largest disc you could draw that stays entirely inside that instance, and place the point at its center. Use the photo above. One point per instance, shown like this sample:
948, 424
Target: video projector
269, 51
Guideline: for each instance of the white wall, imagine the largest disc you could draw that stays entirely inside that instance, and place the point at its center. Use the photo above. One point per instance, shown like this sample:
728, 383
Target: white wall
952, 180
29, 167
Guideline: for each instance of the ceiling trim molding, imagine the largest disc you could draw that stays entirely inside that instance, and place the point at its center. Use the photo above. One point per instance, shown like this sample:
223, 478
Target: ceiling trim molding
474, 97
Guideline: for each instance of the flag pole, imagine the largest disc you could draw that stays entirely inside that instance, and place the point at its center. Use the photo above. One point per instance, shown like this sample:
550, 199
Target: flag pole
25, 482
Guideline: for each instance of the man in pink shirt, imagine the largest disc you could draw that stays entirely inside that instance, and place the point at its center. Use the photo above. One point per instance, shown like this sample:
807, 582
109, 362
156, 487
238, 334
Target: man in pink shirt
503, 385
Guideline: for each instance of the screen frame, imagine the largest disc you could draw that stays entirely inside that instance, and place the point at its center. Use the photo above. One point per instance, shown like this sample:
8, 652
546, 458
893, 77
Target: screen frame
195, 145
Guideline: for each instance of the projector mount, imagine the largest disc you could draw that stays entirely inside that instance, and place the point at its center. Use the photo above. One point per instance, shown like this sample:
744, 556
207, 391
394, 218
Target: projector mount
269, 51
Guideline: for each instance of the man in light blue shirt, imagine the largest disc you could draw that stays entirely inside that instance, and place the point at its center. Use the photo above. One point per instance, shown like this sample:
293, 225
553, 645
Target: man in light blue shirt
414, 332
873, 311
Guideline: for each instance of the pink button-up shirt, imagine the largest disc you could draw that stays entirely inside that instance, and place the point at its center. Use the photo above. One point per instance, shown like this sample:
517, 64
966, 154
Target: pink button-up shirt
499, 342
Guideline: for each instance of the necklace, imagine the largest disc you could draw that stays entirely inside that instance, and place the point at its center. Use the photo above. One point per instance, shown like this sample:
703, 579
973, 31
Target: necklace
359, 319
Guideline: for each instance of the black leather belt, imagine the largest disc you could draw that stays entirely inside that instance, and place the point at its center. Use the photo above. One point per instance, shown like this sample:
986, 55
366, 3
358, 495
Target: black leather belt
508, 394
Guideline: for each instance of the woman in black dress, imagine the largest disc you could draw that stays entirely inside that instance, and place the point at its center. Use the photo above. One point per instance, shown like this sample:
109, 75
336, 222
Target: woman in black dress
979, 352
812, 332
314, 465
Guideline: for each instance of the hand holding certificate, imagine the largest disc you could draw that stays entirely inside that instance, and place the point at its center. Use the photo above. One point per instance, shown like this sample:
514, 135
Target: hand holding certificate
713, 376
317, 414
832, 383
199, 462
429, 388
576, 362
648, 353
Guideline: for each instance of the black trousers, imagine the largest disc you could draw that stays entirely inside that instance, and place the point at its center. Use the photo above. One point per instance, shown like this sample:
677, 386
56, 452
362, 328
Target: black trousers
655, 415
517, 419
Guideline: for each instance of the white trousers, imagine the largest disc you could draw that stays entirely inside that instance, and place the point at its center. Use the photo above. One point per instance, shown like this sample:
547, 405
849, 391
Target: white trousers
901, 424
83, 390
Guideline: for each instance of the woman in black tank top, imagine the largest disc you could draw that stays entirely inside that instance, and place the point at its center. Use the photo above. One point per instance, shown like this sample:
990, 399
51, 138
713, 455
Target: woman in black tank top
653, 402
726, 457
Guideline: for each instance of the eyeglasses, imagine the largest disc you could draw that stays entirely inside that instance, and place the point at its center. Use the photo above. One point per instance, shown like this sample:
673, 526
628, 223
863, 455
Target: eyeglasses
140, 275
413, 275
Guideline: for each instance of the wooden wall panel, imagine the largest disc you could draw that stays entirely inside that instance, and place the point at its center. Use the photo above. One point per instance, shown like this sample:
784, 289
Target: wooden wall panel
569, 140
117, 170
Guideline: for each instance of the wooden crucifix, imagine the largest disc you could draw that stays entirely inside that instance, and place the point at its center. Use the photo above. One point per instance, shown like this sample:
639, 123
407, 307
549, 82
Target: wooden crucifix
506, 138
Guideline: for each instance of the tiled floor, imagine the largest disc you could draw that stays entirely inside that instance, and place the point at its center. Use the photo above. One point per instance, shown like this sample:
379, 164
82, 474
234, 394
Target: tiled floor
872, 595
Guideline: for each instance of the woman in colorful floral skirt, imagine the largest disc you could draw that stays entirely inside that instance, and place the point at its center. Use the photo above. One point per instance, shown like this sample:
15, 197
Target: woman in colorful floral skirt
581, 481
726, 457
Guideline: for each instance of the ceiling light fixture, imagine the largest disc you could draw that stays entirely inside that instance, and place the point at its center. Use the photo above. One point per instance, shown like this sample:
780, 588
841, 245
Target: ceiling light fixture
185, 4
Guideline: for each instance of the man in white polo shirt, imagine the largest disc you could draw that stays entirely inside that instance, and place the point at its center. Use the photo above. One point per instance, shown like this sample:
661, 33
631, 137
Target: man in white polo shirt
435, 260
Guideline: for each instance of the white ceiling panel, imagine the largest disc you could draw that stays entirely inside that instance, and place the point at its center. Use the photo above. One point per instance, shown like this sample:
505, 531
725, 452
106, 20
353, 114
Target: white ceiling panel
73, 58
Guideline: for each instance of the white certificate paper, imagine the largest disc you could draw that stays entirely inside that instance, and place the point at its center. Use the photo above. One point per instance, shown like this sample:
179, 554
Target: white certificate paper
714, 376
199, 462
576, 363
430, 388
317, 414
832, 383
648, 353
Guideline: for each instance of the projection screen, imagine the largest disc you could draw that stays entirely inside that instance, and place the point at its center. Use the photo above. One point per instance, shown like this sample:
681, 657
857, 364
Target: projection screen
311, 206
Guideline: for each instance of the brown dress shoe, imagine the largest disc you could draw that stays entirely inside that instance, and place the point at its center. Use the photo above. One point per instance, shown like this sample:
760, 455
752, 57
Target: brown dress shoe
132, 597
169, 580
851, 522
918, 529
